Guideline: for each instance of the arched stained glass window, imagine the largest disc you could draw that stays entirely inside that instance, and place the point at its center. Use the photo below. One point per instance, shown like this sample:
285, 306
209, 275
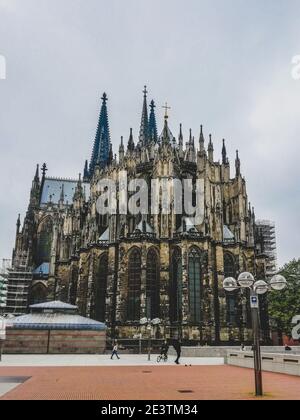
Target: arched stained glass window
101, 289
134, 286
73, 285
176, 286
231, 297
195, 285
44, 242
152, 285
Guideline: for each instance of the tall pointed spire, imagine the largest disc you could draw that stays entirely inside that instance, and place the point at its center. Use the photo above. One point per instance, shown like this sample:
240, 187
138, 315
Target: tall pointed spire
152, 129
18, 224
180, 135
237, 165
121, 151
201, 140
143, 139
37, 174
86, 171
210, 149
100, 154
131, 145
224, 153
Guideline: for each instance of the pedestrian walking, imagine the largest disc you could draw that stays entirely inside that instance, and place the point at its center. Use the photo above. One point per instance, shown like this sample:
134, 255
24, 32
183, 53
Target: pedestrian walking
177, 347
115, 351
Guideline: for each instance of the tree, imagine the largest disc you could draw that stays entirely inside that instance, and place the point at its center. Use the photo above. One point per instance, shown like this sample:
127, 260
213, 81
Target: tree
283, 306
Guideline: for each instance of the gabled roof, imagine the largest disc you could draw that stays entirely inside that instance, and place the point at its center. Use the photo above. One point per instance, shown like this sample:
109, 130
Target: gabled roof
56, 321
53, 187
54, 305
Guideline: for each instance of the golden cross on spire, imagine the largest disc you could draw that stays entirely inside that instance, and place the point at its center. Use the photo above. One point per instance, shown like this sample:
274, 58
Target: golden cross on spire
166, 108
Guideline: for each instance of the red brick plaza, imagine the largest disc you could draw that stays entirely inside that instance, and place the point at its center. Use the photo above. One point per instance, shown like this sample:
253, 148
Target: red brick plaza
147, 383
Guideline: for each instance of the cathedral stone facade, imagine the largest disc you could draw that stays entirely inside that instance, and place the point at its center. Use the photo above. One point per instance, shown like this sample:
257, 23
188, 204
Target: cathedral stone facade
121, 268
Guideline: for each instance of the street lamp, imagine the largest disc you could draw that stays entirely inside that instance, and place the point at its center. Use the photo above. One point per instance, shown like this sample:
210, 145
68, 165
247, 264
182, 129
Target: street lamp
150, 323
257, 288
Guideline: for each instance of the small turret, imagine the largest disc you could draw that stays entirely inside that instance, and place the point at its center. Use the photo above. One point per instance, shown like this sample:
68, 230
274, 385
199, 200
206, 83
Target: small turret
131, 145
152, 129
18, 224
86, 171
121, 150
237, 165
224, 154
144, 129
202, 141
210, 149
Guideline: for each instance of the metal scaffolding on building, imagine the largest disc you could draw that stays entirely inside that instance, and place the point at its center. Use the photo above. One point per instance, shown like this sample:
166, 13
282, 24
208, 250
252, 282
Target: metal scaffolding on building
19, 278
266, 244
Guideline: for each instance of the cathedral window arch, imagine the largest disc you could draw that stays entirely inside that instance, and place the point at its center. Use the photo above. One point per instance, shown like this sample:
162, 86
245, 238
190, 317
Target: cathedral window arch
73, 285
134, 285
176, 286
231, 297
44, 241
195, 277
38, 294
152, 285
101, 288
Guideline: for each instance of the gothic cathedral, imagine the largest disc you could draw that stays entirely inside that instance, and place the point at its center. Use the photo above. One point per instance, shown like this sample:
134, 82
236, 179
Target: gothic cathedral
121, 268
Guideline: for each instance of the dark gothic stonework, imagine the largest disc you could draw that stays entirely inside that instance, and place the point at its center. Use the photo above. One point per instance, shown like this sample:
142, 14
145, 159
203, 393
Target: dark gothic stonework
118, 268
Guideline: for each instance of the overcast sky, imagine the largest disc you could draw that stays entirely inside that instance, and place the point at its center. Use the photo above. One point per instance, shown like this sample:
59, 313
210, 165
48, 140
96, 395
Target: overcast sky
225, 64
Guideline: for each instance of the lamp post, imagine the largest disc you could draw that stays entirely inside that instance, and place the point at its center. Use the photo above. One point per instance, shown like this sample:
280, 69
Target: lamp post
246, 281
149, 324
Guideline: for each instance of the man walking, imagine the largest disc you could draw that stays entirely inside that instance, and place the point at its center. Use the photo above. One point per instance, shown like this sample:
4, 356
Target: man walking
177, 347
115, 351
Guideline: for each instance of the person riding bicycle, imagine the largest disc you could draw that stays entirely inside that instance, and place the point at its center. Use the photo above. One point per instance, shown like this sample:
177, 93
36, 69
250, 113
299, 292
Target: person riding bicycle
164, 349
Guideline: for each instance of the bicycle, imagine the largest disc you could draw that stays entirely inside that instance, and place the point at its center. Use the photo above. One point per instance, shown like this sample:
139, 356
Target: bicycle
162, 358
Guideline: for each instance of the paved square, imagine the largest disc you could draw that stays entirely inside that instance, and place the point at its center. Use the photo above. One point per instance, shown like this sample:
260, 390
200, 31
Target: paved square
147, 382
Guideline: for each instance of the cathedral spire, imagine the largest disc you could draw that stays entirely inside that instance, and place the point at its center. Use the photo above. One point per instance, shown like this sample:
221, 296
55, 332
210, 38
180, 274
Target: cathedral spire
18, 224
152, 129
121, 150
180, 136
224, 153
144, 121
100, 154
37, 174
131, 145
210, 149
86, 171
35, 189
201, 140
237, 165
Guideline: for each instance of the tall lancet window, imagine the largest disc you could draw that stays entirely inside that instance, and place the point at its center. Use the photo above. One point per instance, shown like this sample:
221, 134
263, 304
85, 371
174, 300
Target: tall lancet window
73, 286
44, 241
232, 297
134, 286
176, 286
195, 285
101, 289
152, 285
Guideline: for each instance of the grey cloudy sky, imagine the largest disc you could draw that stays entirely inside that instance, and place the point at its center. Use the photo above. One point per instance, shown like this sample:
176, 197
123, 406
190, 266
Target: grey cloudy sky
225, 64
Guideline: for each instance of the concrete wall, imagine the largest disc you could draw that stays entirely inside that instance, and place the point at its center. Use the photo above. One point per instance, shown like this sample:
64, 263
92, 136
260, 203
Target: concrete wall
54, 342
271, 362
222, 351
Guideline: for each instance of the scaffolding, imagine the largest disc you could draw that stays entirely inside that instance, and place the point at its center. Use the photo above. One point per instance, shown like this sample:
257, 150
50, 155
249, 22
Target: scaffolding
19, 278
266, 244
